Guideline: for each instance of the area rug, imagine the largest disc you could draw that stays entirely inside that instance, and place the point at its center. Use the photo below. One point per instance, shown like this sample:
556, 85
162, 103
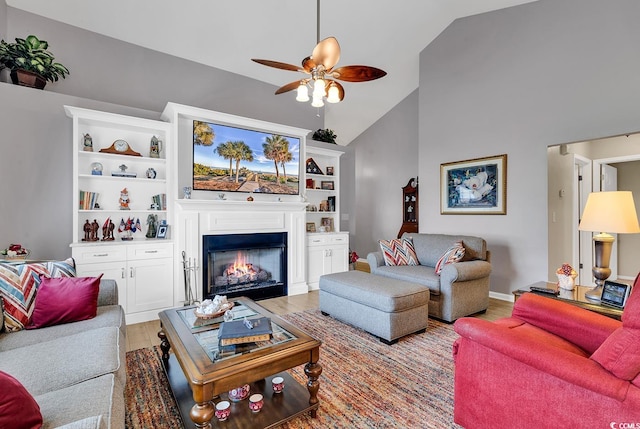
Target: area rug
364, 383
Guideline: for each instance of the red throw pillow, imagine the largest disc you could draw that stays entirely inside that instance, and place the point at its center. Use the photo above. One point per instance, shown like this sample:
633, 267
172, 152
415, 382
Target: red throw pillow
619, 354
64, 300
18, 409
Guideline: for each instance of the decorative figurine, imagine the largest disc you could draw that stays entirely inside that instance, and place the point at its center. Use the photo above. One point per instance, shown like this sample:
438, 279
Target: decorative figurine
123, 172
126, 229
96, 169
155, 147
124, 199
152, 221
94, 230
107, 230
87, 143
87, 230
151, 173
187, 192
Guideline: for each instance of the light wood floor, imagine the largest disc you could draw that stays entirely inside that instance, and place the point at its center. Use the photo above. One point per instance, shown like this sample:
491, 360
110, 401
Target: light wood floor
142, 335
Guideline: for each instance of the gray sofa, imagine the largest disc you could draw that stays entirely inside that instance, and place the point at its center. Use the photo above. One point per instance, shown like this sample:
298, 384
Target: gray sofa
461, 289
76, 371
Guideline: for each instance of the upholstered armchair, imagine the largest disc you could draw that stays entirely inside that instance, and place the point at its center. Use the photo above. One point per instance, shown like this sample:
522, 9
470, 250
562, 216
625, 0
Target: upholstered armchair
550, 364
461, 289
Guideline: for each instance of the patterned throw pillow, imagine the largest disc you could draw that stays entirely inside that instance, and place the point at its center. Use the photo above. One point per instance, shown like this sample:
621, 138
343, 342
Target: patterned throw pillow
1, 314
399, 251
454, 254
19, 284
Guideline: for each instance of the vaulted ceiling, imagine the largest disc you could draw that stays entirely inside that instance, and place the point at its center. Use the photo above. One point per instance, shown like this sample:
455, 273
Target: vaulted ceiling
226, 34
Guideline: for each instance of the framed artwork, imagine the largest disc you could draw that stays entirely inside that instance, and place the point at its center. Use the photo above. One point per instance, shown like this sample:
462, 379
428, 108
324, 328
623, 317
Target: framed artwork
327, 185
311, 227
162, 231
327, 222
329, 171
474, 186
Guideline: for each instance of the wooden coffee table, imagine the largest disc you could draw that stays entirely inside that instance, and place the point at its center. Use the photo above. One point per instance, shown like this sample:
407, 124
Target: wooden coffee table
574, 297
199, 374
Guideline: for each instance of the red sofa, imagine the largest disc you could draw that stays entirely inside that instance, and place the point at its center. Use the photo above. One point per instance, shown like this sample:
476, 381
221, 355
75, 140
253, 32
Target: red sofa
549, 365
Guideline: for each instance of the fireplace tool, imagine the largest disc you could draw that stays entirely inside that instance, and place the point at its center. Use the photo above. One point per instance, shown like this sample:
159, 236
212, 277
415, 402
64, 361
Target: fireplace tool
188, 268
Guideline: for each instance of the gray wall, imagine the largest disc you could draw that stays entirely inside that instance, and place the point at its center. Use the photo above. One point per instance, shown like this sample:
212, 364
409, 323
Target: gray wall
385, 160
629, 244
106, 74
515, 81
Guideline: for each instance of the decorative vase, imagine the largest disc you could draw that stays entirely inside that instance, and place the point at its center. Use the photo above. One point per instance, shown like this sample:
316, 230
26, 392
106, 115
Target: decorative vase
567, 282
27, 78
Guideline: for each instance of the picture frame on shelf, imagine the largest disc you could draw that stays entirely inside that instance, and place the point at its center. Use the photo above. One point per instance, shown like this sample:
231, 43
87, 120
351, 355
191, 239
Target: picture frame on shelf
329, 171
327, 185
311, 227
163, 230
474, 186
327, 223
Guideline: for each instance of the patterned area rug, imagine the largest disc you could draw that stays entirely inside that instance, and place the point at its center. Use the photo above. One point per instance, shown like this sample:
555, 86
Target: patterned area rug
364, 383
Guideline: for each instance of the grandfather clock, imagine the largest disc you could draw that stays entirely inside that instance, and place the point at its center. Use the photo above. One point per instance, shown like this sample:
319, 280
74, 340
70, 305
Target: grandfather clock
409, 207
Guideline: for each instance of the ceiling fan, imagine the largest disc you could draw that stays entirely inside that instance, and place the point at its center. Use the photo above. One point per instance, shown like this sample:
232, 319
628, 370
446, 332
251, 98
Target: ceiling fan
322, 74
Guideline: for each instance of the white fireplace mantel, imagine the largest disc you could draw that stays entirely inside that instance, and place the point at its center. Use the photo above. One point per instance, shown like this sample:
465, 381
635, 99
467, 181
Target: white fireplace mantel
196, 218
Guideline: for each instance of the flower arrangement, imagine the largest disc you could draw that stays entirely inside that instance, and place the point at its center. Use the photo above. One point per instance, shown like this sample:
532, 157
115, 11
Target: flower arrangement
15, 251
566, 276
353, 256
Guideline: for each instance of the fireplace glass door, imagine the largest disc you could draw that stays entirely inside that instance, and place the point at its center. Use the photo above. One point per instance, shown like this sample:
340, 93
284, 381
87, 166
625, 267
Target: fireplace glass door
252, 265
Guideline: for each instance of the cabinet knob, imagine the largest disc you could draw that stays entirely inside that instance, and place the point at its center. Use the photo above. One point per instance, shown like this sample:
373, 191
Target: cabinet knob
122, 273
131, 272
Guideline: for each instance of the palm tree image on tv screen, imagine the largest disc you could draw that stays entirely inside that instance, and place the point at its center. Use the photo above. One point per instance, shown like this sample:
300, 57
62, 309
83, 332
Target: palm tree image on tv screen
231, 159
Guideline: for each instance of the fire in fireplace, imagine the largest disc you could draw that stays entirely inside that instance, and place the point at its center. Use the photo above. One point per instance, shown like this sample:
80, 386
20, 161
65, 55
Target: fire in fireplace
252, 265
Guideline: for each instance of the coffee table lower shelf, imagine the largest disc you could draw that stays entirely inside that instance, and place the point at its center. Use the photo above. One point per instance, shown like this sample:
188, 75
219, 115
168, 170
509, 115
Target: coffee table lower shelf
278, 407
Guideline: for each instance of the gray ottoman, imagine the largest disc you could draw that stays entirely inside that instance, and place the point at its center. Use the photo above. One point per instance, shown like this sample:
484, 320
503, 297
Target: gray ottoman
385, 307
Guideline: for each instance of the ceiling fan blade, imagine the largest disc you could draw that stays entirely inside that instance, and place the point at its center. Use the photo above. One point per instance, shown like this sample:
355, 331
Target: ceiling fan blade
308, 64
357, 73
278, 65
327, 53
288, 87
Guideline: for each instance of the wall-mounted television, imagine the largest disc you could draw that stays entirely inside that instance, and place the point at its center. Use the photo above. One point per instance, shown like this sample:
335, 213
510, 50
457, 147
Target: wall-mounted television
233, 159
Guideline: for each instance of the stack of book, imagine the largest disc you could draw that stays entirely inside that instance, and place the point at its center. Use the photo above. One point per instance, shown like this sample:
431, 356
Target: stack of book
239, 332
88, 200
160, 201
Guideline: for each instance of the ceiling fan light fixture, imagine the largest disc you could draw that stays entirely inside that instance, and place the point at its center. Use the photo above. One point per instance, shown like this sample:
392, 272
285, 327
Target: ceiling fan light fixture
317, 101
303, 93
333, 94
318, 88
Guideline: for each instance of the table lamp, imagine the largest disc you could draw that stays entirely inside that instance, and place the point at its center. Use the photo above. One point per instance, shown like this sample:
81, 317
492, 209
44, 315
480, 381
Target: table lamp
613, 212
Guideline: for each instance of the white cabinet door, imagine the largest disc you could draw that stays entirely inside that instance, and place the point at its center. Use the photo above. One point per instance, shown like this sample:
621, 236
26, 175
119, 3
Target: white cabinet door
109, 270
150, 284
339, 259
316, 265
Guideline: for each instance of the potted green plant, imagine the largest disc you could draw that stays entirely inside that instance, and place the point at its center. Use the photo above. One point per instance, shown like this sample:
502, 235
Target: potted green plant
326, 135
30, 62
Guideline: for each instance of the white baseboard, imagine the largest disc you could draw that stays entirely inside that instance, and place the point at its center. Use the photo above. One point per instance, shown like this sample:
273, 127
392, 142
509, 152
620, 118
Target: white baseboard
502, 296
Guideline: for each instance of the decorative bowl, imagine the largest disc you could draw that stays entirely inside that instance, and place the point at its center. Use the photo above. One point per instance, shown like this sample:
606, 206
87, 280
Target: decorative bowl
223, 309
239, 393
256, 402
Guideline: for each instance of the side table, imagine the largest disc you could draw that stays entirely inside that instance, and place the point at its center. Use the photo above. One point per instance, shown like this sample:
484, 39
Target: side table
574, 297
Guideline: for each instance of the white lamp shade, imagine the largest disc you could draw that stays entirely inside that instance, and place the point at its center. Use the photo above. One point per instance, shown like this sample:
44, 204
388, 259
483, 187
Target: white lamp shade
612, 212
333, 95
317, 101
303, 93
318, 88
